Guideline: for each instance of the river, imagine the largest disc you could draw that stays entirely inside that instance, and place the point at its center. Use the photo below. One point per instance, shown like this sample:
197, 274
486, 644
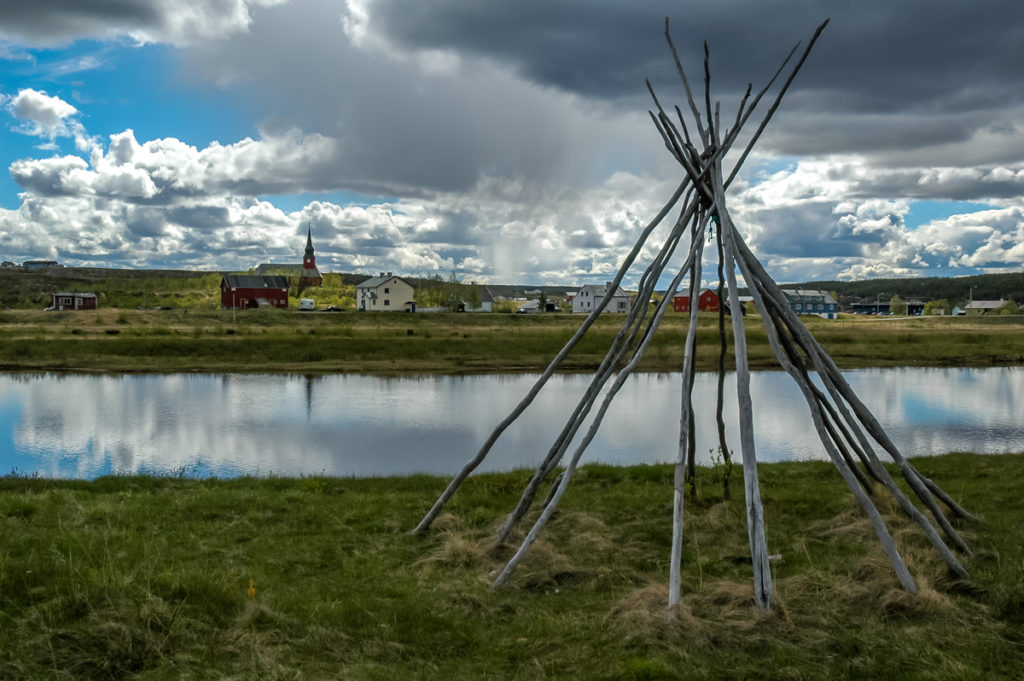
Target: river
202, 425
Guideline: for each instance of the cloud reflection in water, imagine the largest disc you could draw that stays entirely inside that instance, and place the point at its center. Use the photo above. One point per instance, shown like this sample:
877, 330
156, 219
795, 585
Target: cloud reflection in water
349, 425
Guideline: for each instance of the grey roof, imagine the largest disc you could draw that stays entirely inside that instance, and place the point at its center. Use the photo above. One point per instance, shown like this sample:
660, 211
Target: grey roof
601, 290
278, 268
77, 295
256, 280
374, 282
809, 295
985, 304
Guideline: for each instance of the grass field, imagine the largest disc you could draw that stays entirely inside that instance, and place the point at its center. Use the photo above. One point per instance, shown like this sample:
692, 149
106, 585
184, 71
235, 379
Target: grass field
319, 578
290, 341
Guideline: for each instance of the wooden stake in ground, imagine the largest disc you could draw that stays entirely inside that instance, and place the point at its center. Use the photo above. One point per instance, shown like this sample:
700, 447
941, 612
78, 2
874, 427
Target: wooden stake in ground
847, 429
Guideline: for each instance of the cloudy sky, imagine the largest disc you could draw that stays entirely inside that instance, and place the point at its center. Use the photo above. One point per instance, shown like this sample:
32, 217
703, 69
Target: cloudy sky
505, 141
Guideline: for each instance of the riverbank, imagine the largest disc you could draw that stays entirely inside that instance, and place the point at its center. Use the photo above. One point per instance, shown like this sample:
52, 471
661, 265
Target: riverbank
318, 578
271, 341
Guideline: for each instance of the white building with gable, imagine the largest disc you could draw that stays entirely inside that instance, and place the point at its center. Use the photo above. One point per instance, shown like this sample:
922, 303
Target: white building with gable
590, 296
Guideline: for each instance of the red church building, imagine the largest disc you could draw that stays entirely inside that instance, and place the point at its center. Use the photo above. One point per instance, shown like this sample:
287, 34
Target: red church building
707, 301
242, 291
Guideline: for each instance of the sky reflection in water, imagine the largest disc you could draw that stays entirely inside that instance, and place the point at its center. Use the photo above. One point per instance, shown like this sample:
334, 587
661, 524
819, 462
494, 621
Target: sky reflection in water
227, 425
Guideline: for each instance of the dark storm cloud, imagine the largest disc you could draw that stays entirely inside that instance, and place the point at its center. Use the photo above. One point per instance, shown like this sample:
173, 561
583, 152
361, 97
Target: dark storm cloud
58, 20
553, 91
52, 22
955, 63
406, 127
459, 228
814, 230
203, 218
145, 221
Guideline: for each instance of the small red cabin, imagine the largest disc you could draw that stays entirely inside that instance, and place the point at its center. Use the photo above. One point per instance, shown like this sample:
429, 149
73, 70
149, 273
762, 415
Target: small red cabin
73, 301
242, 291
707, 301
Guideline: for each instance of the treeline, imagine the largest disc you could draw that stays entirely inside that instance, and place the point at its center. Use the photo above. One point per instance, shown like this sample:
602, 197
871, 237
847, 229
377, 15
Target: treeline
955, 289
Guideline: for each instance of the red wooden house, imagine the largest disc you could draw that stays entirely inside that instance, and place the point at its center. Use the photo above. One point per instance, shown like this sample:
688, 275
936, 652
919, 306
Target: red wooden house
707, 301
73, 301
241, 291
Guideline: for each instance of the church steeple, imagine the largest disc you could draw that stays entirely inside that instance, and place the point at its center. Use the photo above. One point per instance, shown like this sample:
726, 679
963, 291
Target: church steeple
309, 260
310, 274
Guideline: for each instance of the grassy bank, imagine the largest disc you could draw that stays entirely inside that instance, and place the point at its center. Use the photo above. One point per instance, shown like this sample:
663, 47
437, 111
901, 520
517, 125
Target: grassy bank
289, 341
318, 578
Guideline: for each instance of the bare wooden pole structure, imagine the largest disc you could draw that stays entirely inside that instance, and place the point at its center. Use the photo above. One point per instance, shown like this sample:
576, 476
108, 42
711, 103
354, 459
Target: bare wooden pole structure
848, 431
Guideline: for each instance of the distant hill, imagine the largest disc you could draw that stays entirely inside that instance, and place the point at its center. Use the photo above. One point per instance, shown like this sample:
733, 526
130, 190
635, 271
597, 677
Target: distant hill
954, 289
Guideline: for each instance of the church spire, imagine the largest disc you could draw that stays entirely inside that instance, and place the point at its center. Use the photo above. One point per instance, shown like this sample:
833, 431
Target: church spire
309, 242
310, 274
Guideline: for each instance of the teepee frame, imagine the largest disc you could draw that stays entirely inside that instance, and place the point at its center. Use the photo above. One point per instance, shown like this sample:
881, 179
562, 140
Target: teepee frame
847, 429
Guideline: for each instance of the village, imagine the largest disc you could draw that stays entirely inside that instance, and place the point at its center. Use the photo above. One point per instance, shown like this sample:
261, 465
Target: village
275, 285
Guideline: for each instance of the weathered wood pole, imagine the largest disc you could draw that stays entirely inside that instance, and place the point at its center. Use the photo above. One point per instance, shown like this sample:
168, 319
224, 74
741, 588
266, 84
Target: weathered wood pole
763, 593
685, 423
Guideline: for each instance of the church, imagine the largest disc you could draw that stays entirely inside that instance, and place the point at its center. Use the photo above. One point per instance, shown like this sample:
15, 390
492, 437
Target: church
268, 284
310, 275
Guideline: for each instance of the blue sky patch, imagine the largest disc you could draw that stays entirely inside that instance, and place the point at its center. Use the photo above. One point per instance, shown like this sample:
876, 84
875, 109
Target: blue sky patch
116, 87
923, 212
291, 203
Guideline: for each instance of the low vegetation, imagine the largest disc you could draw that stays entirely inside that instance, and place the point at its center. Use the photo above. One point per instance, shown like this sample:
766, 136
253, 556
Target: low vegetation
319, 342
319, 578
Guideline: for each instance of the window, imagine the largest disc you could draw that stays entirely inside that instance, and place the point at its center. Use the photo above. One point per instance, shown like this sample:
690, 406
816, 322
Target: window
387, 290
387, 302
64, 301
798, 306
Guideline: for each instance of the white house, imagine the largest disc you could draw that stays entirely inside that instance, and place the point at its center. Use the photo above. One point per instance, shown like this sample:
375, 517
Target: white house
485, 300
590, 296
384, 292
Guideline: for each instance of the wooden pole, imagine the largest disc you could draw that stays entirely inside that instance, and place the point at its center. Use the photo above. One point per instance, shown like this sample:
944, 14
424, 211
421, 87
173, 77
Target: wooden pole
755, 512
685, 424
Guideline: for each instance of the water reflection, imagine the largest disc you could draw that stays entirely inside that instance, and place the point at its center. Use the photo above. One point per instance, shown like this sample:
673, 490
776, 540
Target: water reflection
225, 425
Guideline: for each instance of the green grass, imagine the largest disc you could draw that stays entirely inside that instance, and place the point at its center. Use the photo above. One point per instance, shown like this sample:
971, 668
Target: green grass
149, 578
290, 341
